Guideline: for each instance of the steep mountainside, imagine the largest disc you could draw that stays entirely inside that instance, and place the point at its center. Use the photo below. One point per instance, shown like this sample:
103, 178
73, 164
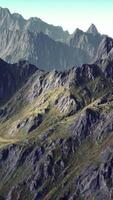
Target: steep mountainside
39, 49
45, 45
12, 77
87, 41
105, 49
15, 22
56, 136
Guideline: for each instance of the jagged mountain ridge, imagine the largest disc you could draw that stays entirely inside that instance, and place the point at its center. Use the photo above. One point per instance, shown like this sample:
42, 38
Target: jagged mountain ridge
47, 126
87, 41
39, 49
57, 49
15, 22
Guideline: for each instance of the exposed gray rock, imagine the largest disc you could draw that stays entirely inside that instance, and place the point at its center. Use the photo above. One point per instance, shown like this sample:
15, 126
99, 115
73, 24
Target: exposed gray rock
104, 48
31, 123
67, 105
12, 78
83, 127
92, 30
97, 181
87, 41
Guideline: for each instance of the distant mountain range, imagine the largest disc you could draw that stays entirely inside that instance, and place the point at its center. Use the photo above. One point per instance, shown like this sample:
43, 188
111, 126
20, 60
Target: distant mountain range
44, 45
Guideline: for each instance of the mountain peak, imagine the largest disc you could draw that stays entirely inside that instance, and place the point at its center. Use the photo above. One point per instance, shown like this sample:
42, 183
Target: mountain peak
4, 10
78, 31
92, 29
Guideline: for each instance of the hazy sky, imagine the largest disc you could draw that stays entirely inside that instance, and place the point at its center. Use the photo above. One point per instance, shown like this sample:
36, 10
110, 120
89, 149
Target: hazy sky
70, 14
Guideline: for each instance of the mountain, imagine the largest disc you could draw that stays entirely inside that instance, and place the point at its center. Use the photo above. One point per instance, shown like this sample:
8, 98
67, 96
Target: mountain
56, 121
56, 132
43, 45
87, 41
15, 22
39, 49
92, 30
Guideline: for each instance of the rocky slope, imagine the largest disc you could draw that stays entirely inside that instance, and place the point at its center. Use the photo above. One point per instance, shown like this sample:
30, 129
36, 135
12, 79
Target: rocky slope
56, 135
105, 49
45, 45
13, 77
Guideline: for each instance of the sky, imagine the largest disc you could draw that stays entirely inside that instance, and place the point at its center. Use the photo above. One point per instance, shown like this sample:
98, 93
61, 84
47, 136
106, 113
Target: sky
70, 14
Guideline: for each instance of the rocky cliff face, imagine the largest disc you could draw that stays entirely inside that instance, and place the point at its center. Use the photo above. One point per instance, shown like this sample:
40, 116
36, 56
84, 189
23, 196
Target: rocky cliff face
15, 22
87, 41
105, 49
44, 45
56, 132
39, 49
12, 77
